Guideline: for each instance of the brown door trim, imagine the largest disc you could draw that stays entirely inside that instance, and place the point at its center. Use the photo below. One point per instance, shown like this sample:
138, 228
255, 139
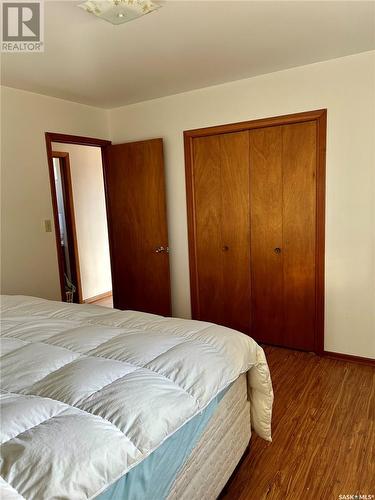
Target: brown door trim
70, 219
76, 139
273, 121
51, 137
320, 117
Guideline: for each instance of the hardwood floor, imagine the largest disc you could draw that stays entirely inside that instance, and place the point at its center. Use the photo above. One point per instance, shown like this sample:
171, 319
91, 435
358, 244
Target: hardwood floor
323, 433
106, 302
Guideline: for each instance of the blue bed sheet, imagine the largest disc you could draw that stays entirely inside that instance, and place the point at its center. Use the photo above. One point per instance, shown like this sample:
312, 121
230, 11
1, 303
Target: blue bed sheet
153, 478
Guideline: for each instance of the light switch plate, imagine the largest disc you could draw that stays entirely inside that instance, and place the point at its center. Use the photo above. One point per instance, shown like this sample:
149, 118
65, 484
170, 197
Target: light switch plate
48, 226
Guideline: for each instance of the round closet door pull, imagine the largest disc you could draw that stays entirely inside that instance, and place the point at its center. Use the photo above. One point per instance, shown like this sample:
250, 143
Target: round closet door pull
277, 250
225, 248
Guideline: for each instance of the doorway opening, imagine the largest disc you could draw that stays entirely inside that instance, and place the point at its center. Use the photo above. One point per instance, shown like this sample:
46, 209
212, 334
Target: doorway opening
80, 217
124, 217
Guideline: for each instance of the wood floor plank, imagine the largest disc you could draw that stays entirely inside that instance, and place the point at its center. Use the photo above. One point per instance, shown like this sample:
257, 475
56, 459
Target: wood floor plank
323, 433
106, 302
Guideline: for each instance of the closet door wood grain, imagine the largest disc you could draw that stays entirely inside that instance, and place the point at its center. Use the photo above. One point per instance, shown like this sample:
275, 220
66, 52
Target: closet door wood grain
299, 233
235, 244
266, 279
207, 222
266, 203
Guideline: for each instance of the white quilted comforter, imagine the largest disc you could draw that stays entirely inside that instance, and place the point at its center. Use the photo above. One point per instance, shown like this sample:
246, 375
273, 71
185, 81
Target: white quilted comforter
89, 392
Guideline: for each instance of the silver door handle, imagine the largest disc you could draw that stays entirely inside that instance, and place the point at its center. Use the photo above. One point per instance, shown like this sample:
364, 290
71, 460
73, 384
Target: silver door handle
162, 249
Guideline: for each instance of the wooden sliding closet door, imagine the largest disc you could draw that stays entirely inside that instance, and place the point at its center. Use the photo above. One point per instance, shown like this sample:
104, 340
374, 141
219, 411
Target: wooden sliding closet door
266, 179
235, 230
209, 275
222, 257
255, 193
283, 226
299, 229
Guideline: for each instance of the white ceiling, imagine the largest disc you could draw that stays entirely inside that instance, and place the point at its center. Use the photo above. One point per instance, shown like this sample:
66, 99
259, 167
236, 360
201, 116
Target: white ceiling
184, 46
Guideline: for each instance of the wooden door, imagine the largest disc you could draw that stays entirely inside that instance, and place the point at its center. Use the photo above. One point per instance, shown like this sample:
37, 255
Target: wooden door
235, 230
283, 228
266, 233
265, 178
207, 206
138, 237
256, 190
221, 273
299, 230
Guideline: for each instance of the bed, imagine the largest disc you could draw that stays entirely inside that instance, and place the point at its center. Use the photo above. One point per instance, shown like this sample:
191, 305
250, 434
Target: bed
106, 404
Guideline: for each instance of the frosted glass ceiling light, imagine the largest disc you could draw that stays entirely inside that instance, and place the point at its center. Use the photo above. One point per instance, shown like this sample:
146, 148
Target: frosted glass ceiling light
119, 11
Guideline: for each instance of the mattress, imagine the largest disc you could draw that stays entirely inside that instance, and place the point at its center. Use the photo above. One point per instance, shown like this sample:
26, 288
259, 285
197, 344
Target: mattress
219, 449
196, 462
152, 479
89, 393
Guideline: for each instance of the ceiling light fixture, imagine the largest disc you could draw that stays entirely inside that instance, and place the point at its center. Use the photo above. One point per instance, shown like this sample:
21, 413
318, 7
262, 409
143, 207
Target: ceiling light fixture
119, 11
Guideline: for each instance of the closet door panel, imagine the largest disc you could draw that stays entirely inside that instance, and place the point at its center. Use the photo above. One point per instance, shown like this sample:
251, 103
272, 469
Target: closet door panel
235, 244
207, 207
266, 234
299, 226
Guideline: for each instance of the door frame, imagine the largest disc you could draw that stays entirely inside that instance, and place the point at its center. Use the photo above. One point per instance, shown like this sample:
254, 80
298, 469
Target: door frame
66, 179
51, 137
320, 117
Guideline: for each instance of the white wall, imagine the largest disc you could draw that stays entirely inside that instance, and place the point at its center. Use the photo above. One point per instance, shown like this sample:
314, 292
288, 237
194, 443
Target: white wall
29, 261
346, 87
90, 217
